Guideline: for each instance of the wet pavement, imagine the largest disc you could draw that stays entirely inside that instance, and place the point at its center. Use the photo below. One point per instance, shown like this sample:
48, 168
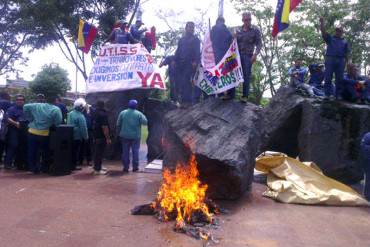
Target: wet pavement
86, 210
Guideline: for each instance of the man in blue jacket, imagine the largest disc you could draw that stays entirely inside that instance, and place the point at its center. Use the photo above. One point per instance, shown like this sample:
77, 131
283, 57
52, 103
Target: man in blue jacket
186, 60
336, 57
317, 76
14, 116
365, 153
355, 87
136, 32
120, 35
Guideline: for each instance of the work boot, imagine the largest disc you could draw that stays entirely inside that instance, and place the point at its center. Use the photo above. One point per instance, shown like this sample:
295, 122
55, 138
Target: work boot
244, 99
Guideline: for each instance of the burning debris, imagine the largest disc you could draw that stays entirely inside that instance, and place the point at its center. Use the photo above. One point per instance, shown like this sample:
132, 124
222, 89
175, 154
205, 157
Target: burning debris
182, 197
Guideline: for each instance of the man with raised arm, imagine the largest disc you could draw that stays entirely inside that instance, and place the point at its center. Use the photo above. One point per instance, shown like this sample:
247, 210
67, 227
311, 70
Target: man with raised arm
336, 57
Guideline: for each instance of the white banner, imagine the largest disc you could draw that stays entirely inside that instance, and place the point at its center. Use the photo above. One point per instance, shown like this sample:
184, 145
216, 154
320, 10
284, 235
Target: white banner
208, 57
225, 75
122, 67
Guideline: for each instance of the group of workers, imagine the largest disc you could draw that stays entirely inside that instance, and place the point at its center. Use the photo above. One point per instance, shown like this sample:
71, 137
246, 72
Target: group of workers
91, 126
183, 64
26, 128
122, 34
350, 86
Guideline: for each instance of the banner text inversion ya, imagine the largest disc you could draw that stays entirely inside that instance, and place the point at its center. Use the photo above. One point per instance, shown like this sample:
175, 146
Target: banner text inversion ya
122, 67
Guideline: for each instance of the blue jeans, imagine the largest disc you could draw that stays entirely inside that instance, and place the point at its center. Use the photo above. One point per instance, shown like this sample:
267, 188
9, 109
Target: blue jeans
11, 147
134, 145
334, 65
247, 71
38, 147
184, 73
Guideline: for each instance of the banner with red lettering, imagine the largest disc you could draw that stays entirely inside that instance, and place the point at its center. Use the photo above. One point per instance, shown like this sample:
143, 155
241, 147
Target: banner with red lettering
227, 74
120, 67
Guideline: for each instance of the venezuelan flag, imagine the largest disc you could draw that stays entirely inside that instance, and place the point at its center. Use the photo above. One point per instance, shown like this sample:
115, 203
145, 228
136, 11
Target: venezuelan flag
86, 36
283, 9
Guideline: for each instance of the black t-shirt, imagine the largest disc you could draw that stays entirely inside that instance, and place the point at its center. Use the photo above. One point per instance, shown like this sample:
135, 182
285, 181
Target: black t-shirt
100, 119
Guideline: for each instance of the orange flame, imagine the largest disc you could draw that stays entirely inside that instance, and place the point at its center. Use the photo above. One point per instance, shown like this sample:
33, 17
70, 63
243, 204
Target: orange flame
182, 193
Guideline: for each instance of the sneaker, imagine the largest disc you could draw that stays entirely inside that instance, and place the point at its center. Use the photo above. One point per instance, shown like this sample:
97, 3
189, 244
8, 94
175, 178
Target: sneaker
244, 99
101, 172
125, 170
104, 168
135, 170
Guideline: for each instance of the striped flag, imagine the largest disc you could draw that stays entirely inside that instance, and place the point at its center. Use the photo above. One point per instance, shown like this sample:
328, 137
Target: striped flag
283, 9
86, 35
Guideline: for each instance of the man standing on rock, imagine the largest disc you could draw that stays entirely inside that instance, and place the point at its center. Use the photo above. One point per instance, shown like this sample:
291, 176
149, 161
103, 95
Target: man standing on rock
120, 35
186, 60
249, 43
129, 126
221, 38
336, 57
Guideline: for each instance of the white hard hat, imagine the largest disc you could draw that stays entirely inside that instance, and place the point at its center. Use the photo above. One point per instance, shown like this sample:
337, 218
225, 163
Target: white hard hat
79, 103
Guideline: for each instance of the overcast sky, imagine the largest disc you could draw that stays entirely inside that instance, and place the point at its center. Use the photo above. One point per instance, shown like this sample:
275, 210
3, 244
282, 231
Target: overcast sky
185, 10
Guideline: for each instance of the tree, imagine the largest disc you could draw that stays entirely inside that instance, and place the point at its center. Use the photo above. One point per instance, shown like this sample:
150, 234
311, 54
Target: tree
51, 81
56, 22
15, 32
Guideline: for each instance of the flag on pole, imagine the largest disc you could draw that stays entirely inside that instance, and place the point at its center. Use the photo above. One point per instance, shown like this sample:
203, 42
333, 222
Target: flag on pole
86, 35
283, 9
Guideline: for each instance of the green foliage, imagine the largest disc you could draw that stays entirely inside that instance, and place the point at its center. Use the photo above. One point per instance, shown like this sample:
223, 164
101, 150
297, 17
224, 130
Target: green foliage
16, 31
56, 22
51, 81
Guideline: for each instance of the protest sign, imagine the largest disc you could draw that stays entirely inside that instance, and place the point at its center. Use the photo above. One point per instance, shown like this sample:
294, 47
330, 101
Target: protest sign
120, 67
225, 75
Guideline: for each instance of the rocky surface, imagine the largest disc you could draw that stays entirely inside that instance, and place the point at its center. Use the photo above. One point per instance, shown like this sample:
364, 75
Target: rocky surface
224, 136
326, 132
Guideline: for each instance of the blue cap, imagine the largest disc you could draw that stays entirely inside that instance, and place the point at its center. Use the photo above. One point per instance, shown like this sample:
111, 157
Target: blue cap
132, 104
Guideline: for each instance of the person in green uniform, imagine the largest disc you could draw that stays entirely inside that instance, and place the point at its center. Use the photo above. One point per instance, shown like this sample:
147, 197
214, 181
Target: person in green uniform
129, 126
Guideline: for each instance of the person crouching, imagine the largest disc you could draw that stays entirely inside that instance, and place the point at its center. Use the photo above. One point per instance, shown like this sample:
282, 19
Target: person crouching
77, 120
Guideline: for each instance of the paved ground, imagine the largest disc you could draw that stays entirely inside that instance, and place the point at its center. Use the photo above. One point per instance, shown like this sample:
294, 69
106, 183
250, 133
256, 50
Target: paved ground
84, 210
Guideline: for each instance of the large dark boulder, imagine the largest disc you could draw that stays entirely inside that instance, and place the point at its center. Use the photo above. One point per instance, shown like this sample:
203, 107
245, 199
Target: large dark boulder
224, 136
330, 135
326, 132
283, 121
155, 110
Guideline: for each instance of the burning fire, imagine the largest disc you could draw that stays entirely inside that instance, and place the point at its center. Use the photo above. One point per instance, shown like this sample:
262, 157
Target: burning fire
182, 194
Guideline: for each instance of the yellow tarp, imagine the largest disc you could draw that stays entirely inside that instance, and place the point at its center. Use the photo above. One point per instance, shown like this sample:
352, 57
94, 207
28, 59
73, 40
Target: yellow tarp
292, 181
